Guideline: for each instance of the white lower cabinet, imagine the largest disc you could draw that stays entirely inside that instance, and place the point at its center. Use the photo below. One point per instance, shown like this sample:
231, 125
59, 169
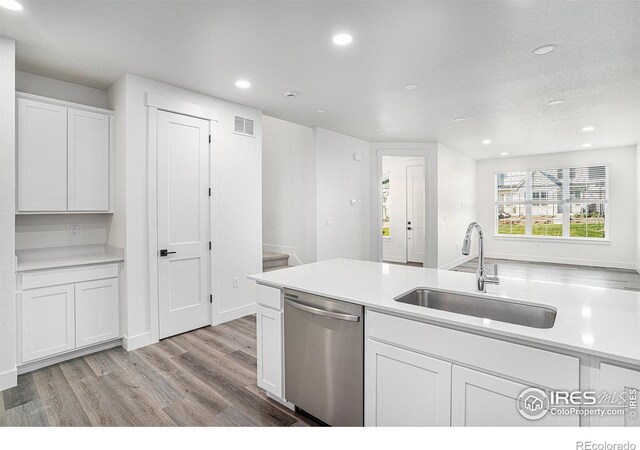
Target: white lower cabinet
405, 388
482, 400
269, 350
623, 385
48, 325
65, 309
97, 312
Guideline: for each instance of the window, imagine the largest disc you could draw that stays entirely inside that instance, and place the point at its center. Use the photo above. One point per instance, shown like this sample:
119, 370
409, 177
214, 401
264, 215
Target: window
385, 205
569, 203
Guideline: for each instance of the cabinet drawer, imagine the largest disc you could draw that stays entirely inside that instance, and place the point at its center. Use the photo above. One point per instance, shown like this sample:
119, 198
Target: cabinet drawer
532, 365
40, 278
269, 296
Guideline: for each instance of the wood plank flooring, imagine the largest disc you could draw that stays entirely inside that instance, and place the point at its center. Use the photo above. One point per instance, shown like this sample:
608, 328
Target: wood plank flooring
206, 377
563, 273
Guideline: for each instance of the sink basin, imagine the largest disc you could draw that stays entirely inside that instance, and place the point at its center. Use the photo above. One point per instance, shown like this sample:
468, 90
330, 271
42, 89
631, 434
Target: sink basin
484, 307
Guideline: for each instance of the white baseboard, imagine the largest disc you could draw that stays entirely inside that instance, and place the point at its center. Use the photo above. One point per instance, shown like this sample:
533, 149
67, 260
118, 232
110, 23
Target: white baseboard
289, 405
457, 262
233, 314
394, 259
291, 251
8, 379
638, 268
556, 260
137, 341
30, 367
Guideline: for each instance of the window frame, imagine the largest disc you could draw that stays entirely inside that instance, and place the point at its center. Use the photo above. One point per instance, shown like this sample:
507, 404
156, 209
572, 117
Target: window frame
566, 202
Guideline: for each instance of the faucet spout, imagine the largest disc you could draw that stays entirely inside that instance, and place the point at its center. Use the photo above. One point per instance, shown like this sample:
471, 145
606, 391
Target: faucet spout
481, 277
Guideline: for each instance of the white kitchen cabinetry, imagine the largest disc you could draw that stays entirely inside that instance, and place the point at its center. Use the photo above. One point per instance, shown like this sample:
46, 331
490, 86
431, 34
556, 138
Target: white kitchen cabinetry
482, 400
42, 156
97, 311
64, 156
88, 161
269, 350
405, 388
64, 309
617, 381
48, 325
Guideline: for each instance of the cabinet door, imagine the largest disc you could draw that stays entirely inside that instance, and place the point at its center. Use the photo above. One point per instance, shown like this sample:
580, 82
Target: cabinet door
42, 156
97, 311
47, 321
618, 382
405, 388
88, 183
269, 350
482, 400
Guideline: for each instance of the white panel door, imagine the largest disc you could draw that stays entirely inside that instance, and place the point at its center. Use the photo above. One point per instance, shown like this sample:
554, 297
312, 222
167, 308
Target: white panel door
97, 311
269, 350
415, 214
619, 381
48, 325
183, 223
405, 388
88, 163
42, 156
482, 400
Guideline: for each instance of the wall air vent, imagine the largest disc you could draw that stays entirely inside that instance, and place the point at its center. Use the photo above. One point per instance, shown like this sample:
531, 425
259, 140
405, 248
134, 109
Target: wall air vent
243, 126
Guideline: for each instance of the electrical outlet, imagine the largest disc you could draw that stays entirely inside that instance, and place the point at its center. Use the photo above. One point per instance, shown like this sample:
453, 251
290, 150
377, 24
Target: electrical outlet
75, 230
236, 282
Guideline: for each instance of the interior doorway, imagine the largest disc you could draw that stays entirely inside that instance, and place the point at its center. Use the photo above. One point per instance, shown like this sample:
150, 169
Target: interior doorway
403, 210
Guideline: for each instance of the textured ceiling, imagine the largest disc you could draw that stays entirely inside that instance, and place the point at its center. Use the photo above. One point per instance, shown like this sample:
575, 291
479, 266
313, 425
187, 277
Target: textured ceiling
471, 59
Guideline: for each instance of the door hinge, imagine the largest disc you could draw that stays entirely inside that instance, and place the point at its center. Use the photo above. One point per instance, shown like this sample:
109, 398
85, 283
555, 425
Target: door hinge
211, 298
209, 245
209, 139
209, 192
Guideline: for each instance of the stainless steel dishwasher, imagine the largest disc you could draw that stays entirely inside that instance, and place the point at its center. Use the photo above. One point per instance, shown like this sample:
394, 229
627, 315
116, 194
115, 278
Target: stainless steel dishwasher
324, 357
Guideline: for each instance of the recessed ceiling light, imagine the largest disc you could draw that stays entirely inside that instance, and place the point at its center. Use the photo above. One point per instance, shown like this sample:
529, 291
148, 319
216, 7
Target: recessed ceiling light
382, 132
544, 49
321, 110
504, 153
486, 141
410, 87
588, 129
243, 84
459, 119
586, 145
555, 102
13, 5
342, 39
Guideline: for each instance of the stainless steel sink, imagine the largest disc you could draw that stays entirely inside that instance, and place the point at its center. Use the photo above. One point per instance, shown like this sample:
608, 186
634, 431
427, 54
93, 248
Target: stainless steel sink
484, 307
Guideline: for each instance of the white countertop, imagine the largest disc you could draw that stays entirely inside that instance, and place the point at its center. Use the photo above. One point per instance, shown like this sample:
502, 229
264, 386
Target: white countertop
598, 321
66, 261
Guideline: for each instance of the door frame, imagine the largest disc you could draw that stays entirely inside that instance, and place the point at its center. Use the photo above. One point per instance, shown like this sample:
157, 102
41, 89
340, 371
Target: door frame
430, 196
155, 103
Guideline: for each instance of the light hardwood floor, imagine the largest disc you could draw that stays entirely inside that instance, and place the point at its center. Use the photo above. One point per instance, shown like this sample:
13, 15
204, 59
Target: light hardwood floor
206, 377
564, 273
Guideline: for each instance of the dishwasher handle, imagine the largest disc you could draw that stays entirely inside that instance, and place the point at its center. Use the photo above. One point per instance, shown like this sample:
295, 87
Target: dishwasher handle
321, 312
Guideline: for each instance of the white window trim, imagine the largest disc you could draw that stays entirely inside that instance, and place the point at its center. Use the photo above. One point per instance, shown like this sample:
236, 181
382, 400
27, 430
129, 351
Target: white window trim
565, 217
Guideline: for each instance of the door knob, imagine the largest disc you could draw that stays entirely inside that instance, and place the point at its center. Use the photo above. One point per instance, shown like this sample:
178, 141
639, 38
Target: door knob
164, 252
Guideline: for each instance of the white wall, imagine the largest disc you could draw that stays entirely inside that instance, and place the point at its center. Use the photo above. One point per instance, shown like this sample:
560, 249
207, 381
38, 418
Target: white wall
638, 207
8, 373
289, 188
619, 252
343, 230
61, 90
456, 204
236, 179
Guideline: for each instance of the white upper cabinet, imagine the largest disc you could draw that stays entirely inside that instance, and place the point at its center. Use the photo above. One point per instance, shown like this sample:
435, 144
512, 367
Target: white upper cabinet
88, 161
42, 156
64, 156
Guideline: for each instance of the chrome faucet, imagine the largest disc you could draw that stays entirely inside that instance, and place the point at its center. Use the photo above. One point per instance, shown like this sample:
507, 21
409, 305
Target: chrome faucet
481, 277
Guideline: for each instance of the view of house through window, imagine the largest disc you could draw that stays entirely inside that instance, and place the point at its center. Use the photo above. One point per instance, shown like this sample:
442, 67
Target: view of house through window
385, 204
568, 202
